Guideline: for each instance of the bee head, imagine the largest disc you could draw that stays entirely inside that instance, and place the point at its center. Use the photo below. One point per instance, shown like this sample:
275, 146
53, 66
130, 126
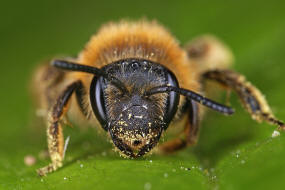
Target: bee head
135, 100
134, 120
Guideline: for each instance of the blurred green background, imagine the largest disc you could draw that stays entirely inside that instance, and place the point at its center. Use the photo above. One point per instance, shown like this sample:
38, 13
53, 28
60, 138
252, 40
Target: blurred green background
232, 153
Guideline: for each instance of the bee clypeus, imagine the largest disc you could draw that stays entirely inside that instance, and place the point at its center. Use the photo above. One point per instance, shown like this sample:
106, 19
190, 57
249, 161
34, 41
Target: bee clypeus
134, 80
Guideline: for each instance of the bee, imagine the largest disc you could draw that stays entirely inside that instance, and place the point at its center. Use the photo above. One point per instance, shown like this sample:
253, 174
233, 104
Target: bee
135, 80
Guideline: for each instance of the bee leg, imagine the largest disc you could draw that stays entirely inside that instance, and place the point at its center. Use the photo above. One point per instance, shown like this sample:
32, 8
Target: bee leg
80, 97
193, 125
172, 145
54, 130
190, 134
251, 98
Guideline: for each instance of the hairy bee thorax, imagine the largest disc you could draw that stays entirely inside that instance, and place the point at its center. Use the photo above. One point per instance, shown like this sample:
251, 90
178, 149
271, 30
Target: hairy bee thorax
141, 40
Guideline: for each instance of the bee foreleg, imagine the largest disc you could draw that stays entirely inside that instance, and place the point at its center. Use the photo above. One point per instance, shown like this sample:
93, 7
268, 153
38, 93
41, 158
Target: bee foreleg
190, 134
193, 125
54, 129
251, 98
80, 97
172, 145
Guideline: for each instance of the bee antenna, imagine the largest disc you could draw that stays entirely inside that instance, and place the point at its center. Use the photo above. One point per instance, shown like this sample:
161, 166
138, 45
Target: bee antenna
193, 96
71, 66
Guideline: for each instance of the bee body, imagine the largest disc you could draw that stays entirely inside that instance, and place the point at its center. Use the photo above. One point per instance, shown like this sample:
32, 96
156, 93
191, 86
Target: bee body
129, 79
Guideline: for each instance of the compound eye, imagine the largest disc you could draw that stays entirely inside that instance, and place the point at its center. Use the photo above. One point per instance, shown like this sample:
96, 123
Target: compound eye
97, 100
173, 98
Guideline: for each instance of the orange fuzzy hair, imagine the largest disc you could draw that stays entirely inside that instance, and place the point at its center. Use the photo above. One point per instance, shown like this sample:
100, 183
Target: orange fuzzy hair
142, 40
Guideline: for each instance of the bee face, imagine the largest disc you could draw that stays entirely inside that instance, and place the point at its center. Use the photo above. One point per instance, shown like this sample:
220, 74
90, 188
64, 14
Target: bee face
135, 121
136, 130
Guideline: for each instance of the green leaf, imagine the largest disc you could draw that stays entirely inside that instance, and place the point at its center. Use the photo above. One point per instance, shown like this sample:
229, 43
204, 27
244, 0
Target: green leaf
232, 153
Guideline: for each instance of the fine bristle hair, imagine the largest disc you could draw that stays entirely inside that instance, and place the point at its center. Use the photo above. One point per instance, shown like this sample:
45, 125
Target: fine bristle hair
71, 66
140, 39
193, 96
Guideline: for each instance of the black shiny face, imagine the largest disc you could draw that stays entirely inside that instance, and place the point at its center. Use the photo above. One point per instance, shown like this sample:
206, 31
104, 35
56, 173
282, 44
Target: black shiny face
135, 121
